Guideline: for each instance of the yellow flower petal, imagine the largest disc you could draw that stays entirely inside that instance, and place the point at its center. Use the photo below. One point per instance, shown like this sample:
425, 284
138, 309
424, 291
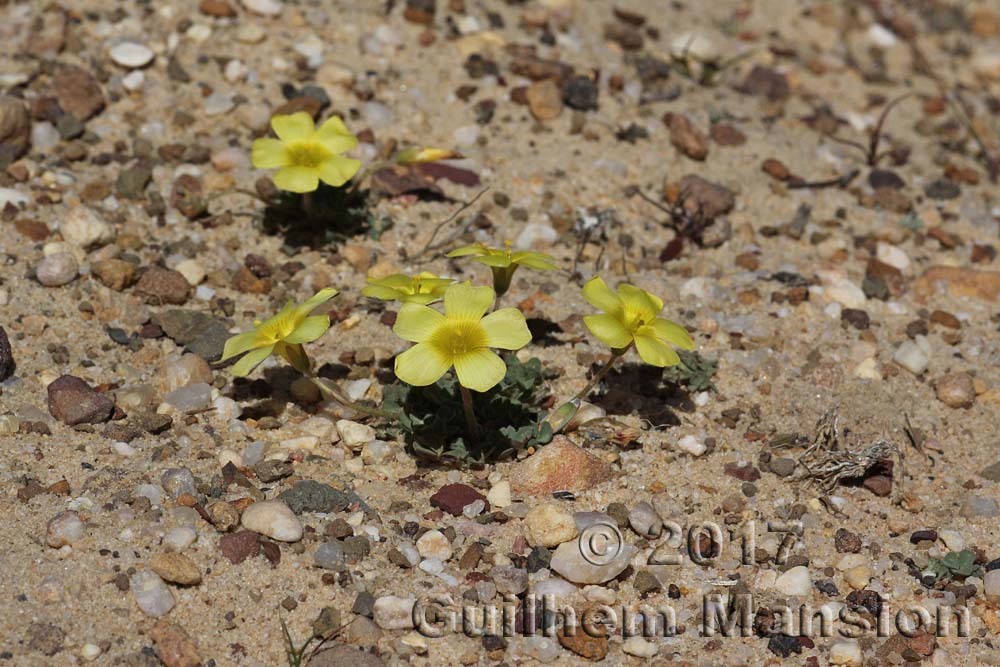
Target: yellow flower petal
241, 343
640, 300
297, 179
309, 330
421, 365
382, 292
497, 261
417, 323
335, 136
672, 333
298, 126
480, 370
293, 354
535, 260
464, 301
506, 329
599, 295
316, 300
655, 352
474, 249
244, 366
338, 170
269, 153
609, 330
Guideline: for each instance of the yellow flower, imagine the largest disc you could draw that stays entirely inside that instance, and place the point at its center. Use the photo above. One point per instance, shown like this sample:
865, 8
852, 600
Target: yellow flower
504, 261
423, 288
283, 335
304, 155
630, 316
418, 155
460, 338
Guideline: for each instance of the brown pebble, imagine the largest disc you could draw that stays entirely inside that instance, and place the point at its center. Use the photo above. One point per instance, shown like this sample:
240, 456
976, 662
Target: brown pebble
176, 568
687, 138
775, 169
945, 319
726, 134
544, 99
173, 646
956, 390
217, 8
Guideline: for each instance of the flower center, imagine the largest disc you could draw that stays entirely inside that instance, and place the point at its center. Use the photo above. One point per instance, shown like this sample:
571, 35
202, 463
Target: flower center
458, 337
277, 329
307, 154
634, 318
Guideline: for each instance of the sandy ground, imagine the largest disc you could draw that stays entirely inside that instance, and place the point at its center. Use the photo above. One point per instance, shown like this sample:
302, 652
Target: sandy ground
776, 292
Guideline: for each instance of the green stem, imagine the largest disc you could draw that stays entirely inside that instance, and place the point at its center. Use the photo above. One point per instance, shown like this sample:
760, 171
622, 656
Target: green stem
470, 415
331, 389
599, 375
308, 204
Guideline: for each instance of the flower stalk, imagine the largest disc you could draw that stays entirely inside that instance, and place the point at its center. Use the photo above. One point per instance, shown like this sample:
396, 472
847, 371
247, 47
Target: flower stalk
470, 414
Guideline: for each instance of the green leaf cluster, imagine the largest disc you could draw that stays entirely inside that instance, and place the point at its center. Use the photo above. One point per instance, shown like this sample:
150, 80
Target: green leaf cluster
955, 564
433, 424
695, 372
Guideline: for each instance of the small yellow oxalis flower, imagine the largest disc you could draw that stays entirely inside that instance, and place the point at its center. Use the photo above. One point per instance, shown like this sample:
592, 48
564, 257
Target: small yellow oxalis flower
504, 261
283, 335
423, 288
305, 155
631, 316
460, 338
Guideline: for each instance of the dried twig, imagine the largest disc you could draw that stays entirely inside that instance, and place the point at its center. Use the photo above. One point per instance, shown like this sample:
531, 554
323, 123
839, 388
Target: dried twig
437, 228
839, 182
872, 156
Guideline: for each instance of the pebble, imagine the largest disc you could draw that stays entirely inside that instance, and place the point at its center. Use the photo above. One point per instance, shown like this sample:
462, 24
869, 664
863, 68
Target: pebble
274, 519
498, 496
114, 274
549, 525
454, 498
991, 586
189, 369
394, 613
191, 398
686, 138
192, 271
57, 269
180, 538
559, 466
176, 568
535, 236
163, 286
72, 401
433, 544
330, 556
378, 114
910, 356
691, 445
354, 435
13, 197
466, 135
892, 255
151, 593
134, 80
178, 482
218, 103
90, 652
132, 54
644, 520
311, 496
570, 564
542, 649
956, 390
174, 647
846, 652
639, 647
84, 228
544, 99
794, 582
952, 539
64, 528
44, 137
979, 506
858, 577
263, 7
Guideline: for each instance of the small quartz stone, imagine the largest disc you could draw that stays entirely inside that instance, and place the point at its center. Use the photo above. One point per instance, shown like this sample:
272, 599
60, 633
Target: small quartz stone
274, 519
132, 54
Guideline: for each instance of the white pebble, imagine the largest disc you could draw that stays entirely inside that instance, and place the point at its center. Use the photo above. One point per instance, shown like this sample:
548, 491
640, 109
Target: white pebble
180, 538
394, 613
134, 80
151, 594
691, 445
263, 7
794, 581
132, 54
433, 544
910, 356
273, 518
